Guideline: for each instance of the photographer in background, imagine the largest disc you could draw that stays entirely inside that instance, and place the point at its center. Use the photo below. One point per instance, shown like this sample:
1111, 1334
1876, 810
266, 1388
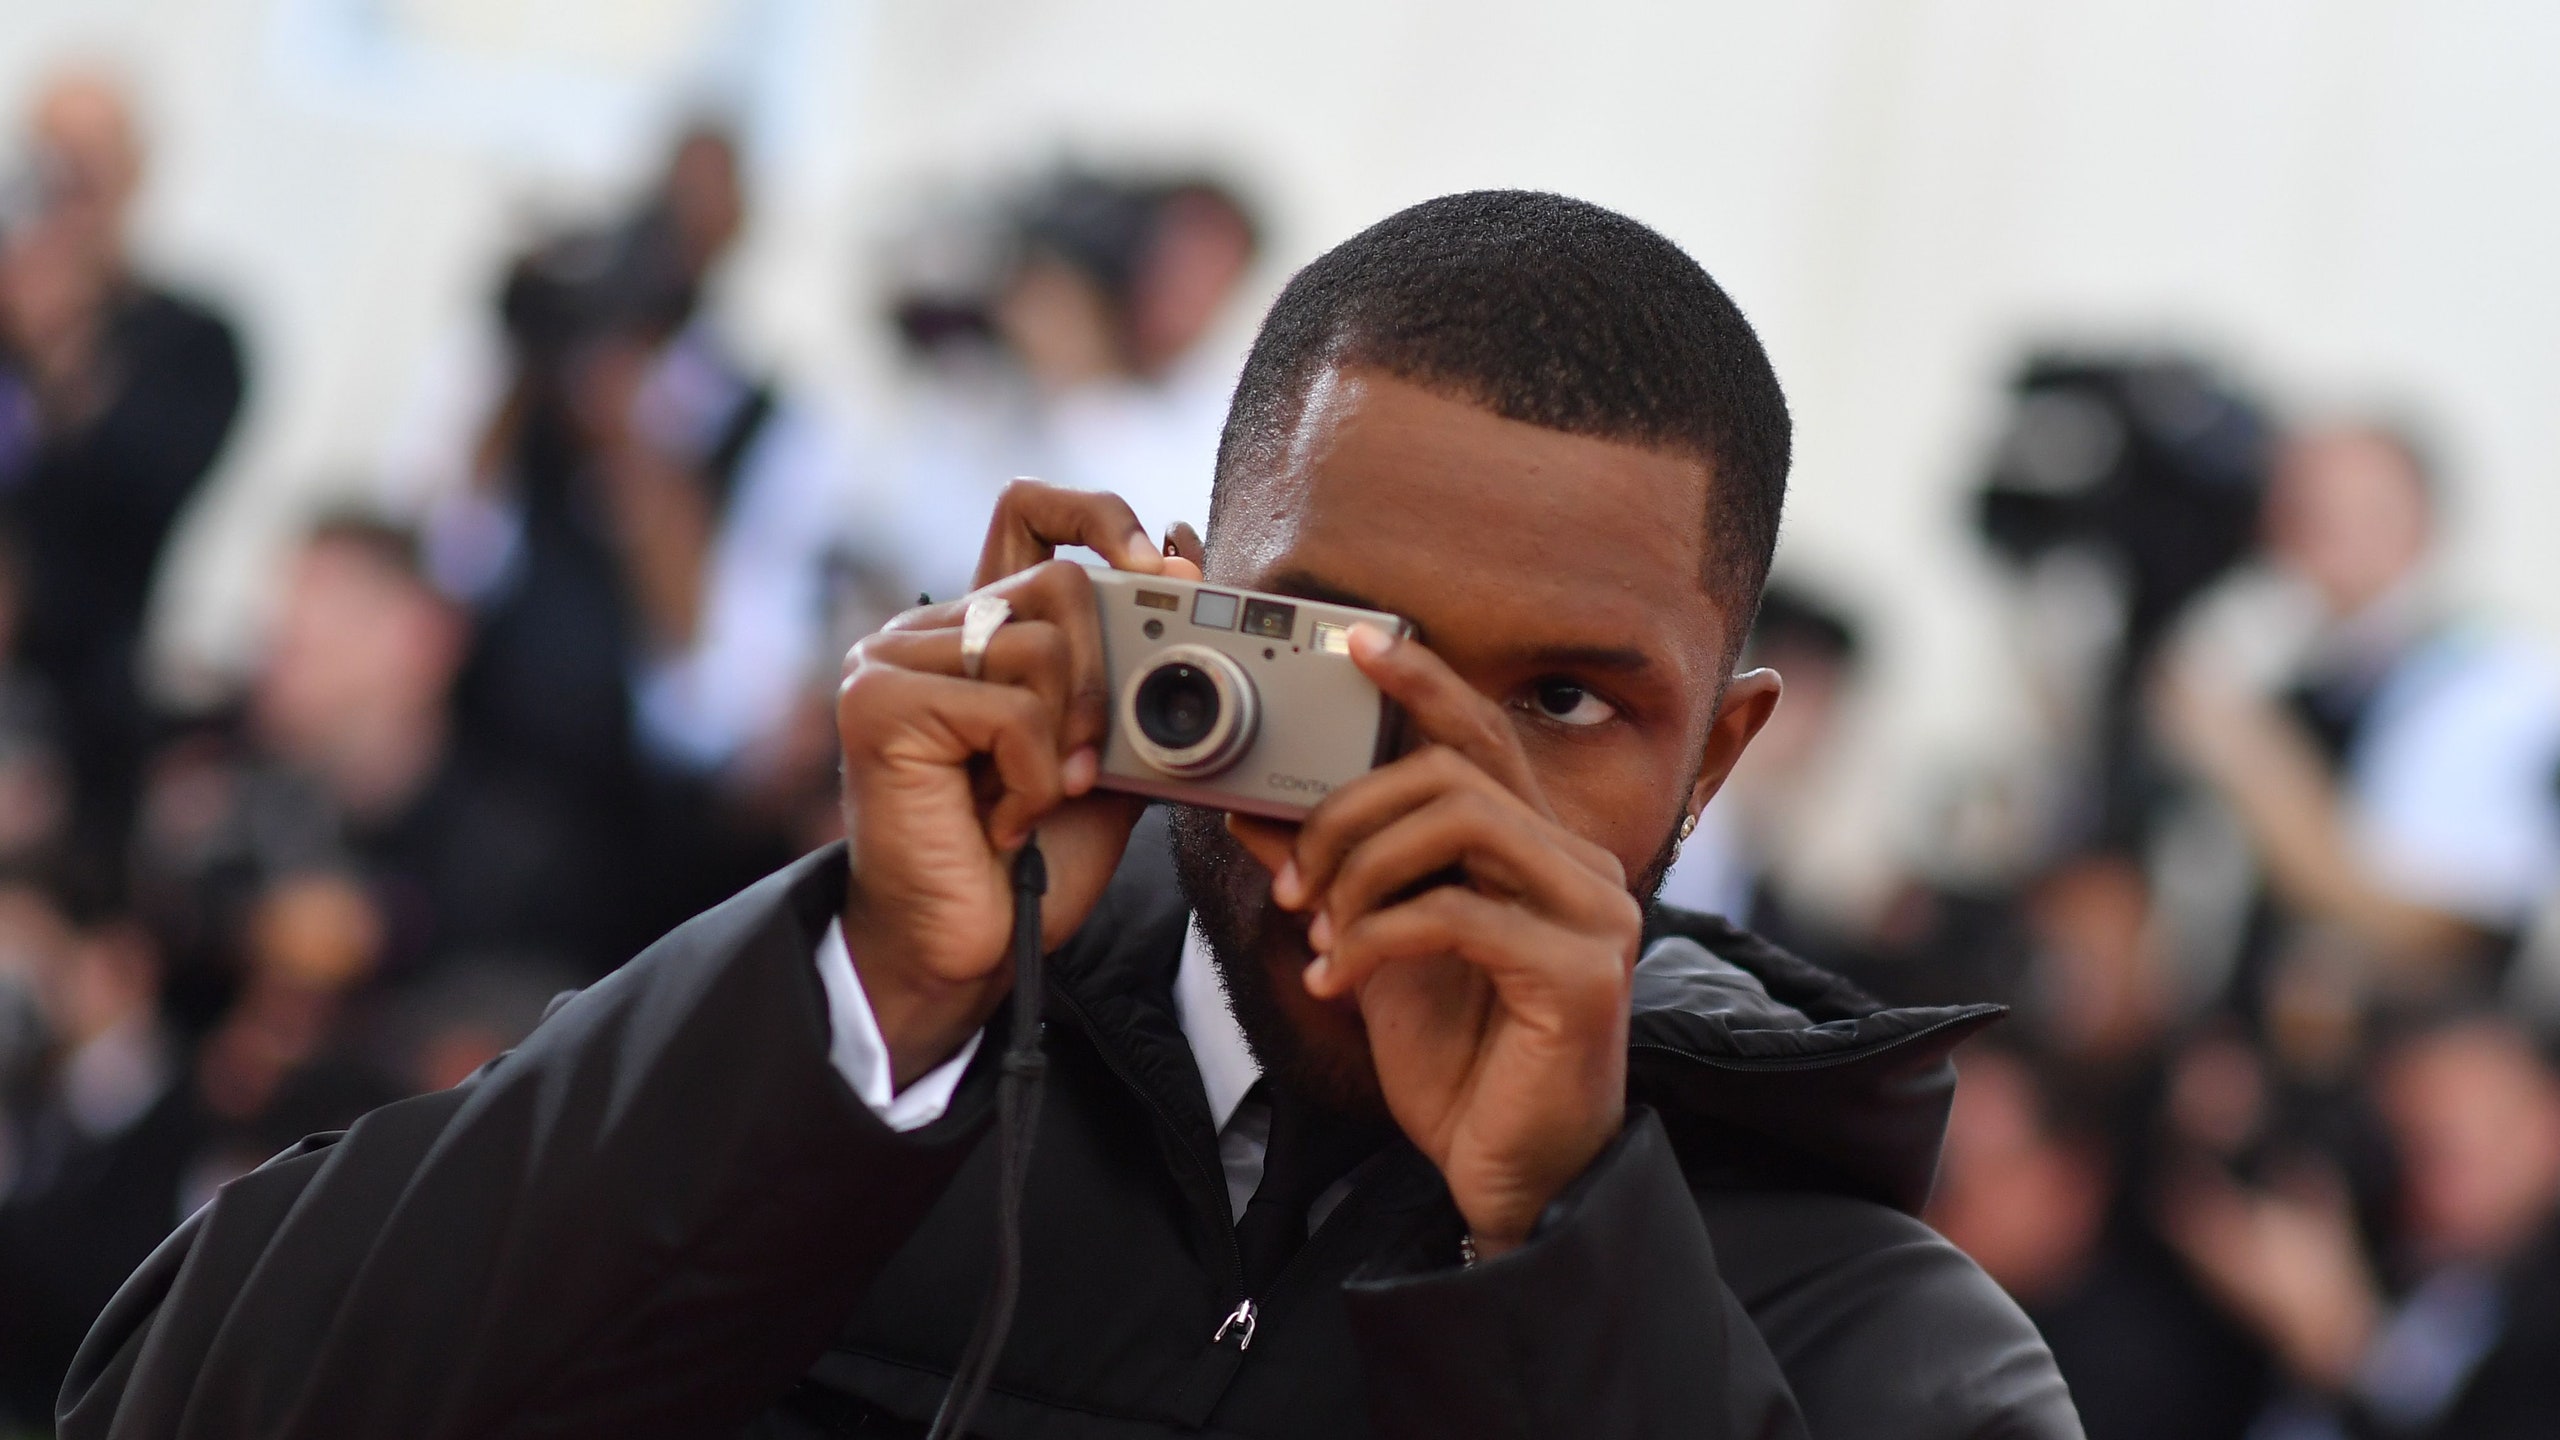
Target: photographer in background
2454, 1339
115, 398
1080, 348
345, 761
642, 530
2394, 777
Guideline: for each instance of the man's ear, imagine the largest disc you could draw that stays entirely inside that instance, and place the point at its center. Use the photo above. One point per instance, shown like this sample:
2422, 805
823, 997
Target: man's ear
1750, 698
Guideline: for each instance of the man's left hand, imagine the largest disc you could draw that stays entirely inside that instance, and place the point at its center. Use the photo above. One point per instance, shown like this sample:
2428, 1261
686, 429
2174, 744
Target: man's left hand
1497, 1008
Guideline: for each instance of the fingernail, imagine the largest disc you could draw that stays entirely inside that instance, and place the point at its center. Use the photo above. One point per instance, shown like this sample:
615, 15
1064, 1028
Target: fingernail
1081, 770
1139, 545
1320, 934
1368, 641
1319, 973
1286, 887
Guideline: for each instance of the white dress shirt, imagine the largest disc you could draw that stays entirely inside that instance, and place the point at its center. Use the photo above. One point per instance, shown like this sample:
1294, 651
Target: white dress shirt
1227, 1067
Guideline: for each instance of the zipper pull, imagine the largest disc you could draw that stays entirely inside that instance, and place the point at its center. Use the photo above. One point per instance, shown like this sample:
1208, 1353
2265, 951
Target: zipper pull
1244, 1316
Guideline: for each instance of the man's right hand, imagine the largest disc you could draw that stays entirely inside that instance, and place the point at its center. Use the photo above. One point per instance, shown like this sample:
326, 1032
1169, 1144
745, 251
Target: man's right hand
945, 777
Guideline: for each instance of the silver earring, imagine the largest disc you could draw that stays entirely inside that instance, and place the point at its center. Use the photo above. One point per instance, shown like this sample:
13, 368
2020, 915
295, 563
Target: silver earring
1688, 826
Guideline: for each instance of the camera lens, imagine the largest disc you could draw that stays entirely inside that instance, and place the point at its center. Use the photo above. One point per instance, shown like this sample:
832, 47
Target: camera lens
1177, 705
1190, 712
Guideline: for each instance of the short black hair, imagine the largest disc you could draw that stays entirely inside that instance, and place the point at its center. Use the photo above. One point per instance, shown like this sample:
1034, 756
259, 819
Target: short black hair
1547, 310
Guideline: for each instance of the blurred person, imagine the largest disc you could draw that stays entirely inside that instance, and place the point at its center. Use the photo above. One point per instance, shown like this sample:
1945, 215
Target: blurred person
1324, 1152
99, 1137
641, 522
1103, 307
288, 1057
2097, 987
2121, 487
116, 397
1736, 863
2395, 782
467, 1014
2031, 1185
2457, 1335
35, 774
347, 761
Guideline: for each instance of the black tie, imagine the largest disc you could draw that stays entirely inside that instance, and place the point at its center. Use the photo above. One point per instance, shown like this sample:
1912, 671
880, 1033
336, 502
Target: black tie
1309, 1149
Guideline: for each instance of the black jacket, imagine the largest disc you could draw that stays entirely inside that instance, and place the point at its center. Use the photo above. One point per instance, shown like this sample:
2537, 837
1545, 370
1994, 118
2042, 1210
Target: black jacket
666, 1214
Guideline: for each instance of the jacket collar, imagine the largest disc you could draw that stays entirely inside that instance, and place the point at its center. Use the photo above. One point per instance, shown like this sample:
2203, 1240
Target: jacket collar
1768, 1070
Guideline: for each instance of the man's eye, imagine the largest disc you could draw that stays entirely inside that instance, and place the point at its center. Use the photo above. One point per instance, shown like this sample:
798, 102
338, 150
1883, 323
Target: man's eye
1569, 704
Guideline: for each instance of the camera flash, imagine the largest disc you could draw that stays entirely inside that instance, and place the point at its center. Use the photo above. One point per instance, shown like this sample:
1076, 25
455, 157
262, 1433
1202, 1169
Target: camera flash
1327, 638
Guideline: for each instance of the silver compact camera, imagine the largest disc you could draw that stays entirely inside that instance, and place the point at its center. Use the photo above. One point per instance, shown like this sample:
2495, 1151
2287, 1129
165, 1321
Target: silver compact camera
1235, 699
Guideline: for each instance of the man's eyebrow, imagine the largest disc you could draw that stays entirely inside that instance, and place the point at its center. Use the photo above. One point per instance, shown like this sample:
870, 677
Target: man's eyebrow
1306, 585
1620, 659
1610, 659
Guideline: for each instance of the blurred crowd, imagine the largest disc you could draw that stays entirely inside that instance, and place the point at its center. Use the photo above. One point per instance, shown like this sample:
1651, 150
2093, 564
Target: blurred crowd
2271, 1149
556, 677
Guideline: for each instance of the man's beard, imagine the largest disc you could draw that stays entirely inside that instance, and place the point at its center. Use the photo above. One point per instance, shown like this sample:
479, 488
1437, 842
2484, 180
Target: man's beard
1230, 897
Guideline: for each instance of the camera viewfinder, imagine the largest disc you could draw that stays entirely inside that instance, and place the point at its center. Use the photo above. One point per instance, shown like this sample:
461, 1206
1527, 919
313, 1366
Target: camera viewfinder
1160, 600
1213, 610
1269, 619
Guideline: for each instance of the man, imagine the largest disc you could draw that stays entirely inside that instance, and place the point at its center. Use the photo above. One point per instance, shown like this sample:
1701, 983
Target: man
94, 1143
2398, 795
115, 400
2462, 1345
727, 1188
2031, 1186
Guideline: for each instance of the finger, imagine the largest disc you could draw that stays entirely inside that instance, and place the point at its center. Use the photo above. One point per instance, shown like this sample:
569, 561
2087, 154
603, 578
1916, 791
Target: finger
1442, 707
1061, 593
1369, 803
929, 616
1521, 953
1269, 843
1035, 655
905, 717
1057, 592
1487, 839
1032, 520
1182, 548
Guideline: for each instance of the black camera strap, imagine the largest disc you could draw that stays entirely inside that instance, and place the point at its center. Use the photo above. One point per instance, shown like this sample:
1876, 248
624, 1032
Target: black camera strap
1017, 1121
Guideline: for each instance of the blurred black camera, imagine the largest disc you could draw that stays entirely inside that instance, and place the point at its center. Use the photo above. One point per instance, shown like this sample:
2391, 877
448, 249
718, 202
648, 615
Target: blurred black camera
2155, 469
2156, 466
572, 291
950, 271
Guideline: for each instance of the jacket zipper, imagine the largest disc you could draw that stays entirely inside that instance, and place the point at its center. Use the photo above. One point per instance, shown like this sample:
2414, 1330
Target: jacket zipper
1241, 1321
1247, 1316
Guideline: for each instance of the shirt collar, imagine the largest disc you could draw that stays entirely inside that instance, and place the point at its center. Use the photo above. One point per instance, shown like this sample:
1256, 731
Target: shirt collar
1227, 1066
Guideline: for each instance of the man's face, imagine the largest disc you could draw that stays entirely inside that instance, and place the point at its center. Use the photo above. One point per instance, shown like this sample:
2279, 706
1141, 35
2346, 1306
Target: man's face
1557, 574
2348, 514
